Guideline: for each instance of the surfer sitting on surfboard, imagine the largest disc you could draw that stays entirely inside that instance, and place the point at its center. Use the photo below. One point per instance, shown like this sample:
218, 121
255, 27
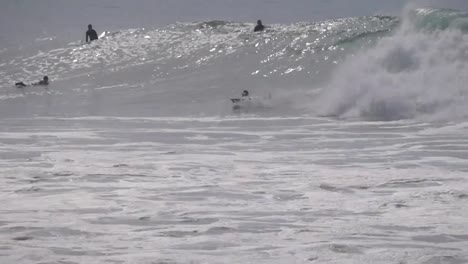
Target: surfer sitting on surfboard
91, 34
259, 26
44, 81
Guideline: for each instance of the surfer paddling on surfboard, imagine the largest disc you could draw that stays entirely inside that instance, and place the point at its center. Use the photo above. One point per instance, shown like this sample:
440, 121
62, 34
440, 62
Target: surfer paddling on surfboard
44, 81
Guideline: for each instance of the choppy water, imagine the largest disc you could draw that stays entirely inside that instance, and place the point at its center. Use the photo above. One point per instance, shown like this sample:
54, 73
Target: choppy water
352, 150
232, 190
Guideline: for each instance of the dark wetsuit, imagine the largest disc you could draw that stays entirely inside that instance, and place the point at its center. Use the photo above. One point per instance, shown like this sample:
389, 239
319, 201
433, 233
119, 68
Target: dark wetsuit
259, 28
21, 84
42, 83
91, 34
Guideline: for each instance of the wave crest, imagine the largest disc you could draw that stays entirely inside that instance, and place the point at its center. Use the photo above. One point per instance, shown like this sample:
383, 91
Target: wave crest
411, 74
438, 19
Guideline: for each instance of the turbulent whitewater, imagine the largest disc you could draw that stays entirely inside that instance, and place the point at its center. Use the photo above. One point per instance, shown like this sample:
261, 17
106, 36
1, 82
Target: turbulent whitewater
352, 150
417, 72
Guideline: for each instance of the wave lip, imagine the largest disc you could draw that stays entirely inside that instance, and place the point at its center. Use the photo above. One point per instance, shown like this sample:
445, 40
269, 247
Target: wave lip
438, 19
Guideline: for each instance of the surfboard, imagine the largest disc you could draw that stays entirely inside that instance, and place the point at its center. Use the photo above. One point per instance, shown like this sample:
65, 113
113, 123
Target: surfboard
240, 103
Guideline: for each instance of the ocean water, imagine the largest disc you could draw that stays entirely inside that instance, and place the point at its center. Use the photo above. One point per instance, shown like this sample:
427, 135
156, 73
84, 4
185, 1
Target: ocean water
352, 147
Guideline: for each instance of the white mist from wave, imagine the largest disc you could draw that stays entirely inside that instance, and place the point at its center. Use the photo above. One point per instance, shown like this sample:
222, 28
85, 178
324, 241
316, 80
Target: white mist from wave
415, 73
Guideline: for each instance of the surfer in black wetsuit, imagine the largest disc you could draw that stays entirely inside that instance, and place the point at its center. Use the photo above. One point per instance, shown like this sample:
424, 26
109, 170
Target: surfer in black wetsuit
259, 27
91, 34
44, 81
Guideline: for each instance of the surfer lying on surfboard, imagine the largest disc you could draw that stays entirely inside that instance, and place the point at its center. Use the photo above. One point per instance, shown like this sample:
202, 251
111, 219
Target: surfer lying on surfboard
44, 81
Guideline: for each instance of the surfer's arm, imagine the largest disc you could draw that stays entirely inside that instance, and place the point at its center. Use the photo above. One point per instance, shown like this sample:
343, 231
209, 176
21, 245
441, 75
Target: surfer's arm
87, 36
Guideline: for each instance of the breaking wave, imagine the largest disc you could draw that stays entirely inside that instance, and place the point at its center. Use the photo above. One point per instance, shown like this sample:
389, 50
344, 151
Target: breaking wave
373, 68
417, 72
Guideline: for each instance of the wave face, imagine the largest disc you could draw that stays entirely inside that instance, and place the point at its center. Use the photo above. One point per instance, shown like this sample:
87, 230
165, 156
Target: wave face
185, 69
377, 68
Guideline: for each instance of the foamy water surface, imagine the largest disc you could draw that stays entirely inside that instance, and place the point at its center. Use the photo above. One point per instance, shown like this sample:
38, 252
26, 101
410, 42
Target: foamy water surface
351, 147
232, 190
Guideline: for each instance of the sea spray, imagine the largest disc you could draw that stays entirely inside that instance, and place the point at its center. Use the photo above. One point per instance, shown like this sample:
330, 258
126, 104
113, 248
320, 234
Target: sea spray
418, 72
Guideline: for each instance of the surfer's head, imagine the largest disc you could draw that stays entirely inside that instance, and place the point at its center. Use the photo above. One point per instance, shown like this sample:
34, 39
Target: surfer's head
90, 26
259, 22
46, 78
245, 93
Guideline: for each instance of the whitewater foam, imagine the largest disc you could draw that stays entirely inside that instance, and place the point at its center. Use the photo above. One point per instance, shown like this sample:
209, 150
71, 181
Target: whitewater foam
415, 73
201, 190
133, 153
